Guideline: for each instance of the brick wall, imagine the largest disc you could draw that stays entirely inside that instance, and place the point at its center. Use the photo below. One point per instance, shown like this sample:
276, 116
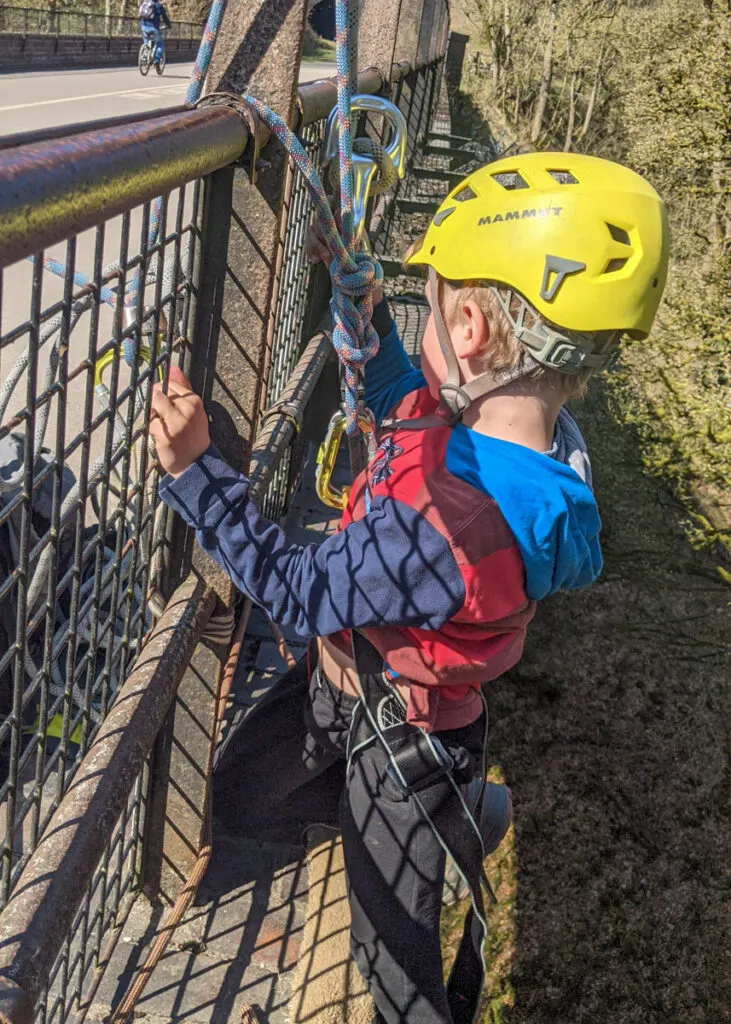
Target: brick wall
18, 52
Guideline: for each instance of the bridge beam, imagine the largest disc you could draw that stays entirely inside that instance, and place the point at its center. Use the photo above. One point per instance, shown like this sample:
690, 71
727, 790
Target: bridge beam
258, 52
378, 32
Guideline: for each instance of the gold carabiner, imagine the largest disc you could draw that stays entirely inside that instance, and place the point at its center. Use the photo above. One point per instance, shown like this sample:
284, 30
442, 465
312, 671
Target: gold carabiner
327, 455
145, 351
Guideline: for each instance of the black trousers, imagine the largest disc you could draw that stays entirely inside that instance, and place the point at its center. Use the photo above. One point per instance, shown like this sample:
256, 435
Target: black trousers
285, 769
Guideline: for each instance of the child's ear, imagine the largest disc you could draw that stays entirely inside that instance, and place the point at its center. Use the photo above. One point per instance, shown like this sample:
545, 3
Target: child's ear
473, 332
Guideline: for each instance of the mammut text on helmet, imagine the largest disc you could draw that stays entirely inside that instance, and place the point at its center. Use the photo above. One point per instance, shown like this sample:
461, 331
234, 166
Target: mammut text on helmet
521, 214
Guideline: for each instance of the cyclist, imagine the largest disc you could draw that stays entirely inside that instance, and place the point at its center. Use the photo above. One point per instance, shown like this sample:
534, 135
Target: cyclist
151, 13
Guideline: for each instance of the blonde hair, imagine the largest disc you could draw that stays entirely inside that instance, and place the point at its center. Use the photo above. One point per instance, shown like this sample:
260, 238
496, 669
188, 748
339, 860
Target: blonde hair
504, 351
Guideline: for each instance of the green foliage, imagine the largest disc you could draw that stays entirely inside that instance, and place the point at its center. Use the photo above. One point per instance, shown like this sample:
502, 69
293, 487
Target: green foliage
648, 83
314, 47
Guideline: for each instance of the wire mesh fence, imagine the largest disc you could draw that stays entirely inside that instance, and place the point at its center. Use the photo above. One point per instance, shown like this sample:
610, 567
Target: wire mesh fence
82, 534
289, 316
103, 911
33, 21
86, 328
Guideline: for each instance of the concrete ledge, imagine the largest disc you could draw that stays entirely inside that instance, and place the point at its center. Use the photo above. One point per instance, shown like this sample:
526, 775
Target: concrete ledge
36, 52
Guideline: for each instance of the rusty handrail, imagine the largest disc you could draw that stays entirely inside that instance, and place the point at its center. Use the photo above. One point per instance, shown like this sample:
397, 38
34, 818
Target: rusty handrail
54, 187
316, 99
40, 914
63, 131
51, 190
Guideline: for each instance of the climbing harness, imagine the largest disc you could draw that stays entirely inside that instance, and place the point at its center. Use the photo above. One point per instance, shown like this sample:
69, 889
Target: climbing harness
423, 770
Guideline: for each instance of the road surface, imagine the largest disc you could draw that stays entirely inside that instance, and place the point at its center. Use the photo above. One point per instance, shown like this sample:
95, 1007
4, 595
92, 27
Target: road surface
49, 98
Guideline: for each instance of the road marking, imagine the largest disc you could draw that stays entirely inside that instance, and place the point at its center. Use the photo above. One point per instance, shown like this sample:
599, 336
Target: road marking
156, 91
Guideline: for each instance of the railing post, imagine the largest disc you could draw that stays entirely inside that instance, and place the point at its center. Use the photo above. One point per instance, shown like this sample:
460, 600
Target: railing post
258, 51
454, 62
407, 36
240, 227
176, 800
378, 33
424, 44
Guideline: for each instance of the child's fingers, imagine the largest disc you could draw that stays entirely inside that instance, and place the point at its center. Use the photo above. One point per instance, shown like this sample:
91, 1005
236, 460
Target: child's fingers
180, 389
157, 429
320, 255
163, 406
177, 377
315, 244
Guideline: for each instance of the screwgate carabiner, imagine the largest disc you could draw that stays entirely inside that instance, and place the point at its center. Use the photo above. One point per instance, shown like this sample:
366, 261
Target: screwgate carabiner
327, 453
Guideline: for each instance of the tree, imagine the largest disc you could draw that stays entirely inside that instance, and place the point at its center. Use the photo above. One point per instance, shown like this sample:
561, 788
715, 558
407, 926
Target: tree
647, 83
546, 77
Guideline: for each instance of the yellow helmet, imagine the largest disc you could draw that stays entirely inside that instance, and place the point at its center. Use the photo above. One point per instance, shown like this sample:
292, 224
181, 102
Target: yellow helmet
584, 241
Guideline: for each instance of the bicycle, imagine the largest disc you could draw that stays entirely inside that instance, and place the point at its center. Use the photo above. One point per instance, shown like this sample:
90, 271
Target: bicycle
146, 57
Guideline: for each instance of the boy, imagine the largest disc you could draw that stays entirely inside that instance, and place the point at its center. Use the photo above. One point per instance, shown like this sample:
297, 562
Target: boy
477, 504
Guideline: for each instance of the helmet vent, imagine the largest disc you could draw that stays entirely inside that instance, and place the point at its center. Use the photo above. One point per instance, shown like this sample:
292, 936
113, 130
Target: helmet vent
614, 265
464, 194
564, 177
619, 234
510, 180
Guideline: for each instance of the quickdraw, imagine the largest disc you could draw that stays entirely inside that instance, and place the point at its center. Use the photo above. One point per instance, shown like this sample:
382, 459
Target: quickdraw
376, 167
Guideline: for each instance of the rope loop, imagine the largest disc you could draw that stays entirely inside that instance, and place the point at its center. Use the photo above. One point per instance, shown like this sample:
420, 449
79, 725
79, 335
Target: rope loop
367, 275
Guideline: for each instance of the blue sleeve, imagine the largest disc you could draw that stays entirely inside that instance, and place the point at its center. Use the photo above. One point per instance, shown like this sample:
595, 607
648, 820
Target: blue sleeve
390, 375
390, 568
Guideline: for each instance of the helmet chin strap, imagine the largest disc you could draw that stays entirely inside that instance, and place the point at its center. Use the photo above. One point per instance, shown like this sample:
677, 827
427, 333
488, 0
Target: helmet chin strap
456, 397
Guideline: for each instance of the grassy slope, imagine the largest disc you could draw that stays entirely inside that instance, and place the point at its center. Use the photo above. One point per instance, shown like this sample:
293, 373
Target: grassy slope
612, 733
316, 48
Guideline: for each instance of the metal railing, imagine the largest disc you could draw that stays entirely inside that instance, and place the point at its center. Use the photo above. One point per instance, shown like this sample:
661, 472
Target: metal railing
91, 601
33, 21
